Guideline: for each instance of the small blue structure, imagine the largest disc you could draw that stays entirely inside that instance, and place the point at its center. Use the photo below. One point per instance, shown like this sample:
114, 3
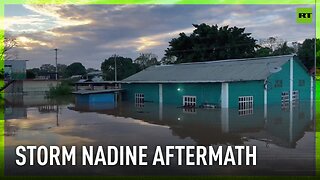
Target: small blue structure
98, 96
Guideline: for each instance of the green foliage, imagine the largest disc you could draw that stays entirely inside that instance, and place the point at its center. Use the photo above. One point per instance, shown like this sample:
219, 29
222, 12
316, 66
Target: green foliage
48, 68
75, 68
1, 73
62, 89
168, 60
44, 70
283, 49
35, 71
318, 73
273, 46
306, 52
208, 43
263, 51
30, 74
62, 70
125, 68
146, 60
89, 70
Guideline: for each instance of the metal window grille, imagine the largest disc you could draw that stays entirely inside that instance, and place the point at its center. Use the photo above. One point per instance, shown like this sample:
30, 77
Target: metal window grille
139, 100
295, 97
189, 101
245, 105
285, 100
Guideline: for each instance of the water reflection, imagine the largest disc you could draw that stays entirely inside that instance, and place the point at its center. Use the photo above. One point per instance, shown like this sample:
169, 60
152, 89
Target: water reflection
279, 125
284, 136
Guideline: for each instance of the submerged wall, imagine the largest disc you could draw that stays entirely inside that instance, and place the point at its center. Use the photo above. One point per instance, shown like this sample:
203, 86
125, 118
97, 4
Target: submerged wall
30, 86
173, 93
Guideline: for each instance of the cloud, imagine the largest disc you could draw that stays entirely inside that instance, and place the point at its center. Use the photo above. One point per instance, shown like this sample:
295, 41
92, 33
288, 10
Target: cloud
57, 13
144, 43
91, 33
28, 43
24, 23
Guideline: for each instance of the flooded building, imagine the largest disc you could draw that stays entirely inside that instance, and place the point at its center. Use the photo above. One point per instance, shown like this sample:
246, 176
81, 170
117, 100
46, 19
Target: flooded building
235, 83
15, 69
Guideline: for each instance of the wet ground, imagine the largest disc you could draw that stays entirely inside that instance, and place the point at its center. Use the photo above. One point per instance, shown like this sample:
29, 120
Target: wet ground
285, 140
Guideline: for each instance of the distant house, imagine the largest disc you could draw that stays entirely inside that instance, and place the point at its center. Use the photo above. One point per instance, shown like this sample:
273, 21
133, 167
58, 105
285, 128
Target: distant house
15, 69
95, 76
235, 83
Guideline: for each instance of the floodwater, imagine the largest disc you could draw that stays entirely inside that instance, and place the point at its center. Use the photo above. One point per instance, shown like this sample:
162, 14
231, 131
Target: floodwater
285, 138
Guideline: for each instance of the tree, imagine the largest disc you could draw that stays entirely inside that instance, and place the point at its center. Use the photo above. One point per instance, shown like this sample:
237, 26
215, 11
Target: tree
125, 68
283, 49
263, 51
146, 60
30, 74
89, 70
208, 43
274, 46
306, 53
35, 71
47, 68
296, 45
168, 60
62, 70
75, 68
9, 43
1, 73
271, 42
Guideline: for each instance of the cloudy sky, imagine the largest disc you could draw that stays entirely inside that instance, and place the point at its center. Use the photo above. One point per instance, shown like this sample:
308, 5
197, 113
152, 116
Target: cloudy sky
91, 33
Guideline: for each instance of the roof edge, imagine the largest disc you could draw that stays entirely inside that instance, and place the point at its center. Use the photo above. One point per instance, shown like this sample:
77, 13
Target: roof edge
167, 82
227, 60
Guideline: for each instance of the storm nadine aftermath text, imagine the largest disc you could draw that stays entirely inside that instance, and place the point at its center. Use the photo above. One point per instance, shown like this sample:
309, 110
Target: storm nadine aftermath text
136, 155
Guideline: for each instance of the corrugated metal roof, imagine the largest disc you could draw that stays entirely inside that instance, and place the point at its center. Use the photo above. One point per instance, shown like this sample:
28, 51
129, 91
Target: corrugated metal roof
212, 71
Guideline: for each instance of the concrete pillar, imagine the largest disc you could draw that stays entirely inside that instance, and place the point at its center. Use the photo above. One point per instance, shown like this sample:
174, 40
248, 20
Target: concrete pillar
291, 123
291, 79
311, 88
160, 102
225, 95
160, 111
160, 94
265, 94
225, 120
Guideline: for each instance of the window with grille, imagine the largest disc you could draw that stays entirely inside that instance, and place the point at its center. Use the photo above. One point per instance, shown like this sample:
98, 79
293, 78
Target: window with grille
295, 96
189, 101
284, 100
245, 105
139, 100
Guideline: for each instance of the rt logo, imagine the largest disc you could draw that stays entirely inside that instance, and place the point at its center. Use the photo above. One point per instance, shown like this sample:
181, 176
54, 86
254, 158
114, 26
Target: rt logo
304, 15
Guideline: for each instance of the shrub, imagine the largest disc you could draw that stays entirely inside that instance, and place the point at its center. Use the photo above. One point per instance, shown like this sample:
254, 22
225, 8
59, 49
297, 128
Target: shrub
64, 88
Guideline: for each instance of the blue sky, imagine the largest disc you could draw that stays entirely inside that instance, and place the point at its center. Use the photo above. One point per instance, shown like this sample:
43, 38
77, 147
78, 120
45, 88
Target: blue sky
91, 33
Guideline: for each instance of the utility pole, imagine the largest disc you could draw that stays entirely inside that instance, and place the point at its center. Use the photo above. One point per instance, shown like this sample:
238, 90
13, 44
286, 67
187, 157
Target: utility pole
56, 51
115, 67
